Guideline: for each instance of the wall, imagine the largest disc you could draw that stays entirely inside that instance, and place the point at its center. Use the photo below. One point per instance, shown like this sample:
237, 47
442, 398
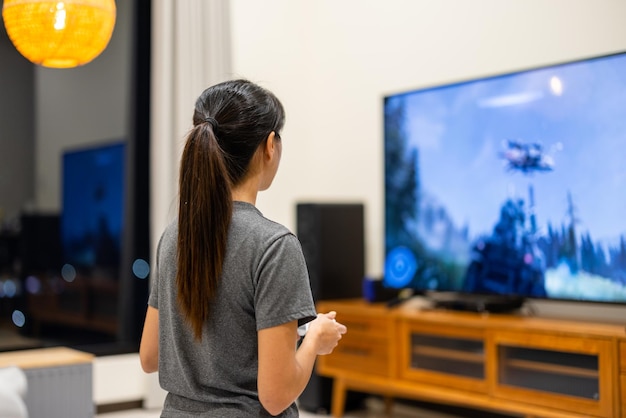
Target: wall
332, 62
17, 133
118, 379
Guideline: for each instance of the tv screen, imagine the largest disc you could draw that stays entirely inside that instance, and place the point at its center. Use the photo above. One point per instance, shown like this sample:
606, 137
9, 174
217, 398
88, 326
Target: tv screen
93, 207
510, 185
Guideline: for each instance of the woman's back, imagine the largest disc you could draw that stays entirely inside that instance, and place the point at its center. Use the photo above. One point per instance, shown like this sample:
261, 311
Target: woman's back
264, 284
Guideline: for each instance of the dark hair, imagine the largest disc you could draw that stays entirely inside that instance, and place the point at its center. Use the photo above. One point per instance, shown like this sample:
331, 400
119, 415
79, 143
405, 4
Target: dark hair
231, 120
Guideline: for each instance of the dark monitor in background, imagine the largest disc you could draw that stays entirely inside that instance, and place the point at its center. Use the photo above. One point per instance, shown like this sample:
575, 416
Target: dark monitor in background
93, 207
71, 263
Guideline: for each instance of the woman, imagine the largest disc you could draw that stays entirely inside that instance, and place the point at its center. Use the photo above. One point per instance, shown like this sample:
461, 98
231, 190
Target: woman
231, 287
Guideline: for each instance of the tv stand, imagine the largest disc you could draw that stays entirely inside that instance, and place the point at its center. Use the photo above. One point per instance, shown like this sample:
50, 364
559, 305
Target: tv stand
507, 363
477, 303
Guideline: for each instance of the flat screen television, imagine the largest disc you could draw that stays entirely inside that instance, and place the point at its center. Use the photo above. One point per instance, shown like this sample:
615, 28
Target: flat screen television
511, 185
92, 218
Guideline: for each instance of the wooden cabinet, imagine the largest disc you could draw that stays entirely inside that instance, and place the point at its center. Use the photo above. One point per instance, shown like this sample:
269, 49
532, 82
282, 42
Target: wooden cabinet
507, 363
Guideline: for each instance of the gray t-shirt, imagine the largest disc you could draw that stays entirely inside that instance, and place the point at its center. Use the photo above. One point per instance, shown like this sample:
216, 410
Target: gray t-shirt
264, 284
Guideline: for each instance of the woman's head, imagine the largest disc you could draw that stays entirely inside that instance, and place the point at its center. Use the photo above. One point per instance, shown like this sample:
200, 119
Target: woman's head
231, 121
241, 115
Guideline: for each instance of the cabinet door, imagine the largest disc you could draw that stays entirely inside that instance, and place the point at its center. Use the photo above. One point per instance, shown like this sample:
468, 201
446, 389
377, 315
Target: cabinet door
446, 356
565, 372
364, 349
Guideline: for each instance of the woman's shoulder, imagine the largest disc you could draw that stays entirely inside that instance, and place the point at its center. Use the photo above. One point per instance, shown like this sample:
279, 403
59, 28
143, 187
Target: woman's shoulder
170, 231
249, 218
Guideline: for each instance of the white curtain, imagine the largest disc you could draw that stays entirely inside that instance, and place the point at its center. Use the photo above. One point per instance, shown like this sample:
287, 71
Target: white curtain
190, 52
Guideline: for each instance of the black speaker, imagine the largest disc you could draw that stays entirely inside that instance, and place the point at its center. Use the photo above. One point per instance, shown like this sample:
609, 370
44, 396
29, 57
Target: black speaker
333, 242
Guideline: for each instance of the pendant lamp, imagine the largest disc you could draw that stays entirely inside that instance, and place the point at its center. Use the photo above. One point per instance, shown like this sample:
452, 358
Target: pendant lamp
59, 34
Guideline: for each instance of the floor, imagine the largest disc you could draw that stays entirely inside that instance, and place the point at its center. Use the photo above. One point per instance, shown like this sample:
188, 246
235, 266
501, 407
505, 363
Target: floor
373, 408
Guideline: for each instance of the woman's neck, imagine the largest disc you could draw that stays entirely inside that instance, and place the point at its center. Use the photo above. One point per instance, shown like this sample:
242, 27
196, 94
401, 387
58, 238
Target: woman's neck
246, 192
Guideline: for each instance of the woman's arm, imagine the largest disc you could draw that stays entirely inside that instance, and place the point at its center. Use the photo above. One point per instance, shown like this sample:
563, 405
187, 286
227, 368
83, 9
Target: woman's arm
284, 371
149, 348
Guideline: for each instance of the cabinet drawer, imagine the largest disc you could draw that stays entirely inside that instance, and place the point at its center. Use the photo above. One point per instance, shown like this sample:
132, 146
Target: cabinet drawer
364, 326
622, 356
369, 356
361, 319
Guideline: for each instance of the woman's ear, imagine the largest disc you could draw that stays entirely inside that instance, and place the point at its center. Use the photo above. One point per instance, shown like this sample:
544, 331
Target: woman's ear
270, 145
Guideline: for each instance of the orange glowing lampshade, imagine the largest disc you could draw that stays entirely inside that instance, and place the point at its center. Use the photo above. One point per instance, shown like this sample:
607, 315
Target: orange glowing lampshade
59, 34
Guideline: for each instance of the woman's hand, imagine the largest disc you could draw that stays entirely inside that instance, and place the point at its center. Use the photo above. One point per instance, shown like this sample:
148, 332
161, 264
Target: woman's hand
325, 332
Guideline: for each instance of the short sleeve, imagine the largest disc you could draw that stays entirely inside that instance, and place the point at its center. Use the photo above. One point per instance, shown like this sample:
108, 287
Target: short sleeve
153, 297
282, 288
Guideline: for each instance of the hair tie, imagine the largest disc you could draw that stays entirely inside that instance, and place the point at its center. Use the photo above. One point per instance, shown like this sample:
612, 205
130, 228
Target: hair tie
211, 121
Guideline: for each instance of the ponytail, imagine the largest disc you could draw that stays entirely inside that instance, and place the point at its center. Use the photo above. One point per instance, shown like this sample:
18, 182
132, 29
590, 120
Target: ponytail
231, 120
204, 214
